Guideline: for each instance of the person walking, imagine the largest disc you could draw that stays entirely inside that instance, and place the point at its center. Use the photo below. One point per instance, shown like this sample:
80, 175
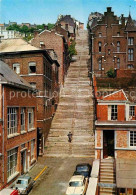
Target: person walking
70, 137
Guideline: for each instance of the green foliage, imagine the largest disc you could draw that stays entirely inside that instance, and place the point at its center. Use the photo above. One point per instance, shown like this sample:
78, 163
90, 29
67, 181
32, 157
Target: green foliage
28, 37
111, 73
72, 49
14, 27
88, 27
50, 26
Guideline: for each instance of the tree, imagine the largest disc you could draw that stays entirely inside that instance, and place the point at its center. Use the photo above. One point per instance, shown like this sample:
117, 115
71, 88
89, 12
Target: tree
111, 73
72, 49
50, 26
14, 27
24, 30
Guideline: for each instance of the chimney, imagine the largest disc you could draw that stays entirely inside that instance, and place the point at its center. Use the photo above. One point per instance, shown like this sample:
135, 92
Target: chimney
45, 27
66, 27
109, 9
36, 32
122, 20
59, 25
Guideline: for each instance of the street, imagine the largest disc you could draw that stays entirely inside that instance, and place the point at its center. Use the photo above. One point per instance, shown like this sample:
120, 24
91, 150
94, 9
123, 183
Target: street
55, 178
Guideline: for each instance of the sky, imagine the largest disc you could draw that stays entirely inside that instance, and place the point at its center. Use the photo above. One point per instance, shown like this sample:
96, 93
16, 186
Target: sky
47, 11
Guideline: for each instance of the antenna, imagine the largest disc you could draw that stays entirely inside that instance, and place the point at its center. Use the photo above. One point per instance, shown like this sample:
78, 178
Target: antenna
129, 9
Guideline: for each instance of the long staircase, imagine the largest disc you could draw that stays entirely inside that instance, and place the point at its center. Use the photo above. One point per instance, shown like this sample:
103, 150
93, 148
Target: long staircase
107, 177
75, 109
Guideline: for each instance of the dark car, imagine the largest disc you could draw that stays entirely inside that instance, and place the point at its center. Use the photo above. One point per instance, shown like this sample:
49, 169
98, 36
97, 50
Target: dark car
83, 169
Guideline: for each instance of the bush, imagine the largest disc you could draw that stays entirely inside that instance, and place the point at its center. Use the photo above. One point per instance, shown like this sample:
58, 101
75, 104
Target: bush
111, 73
72, 49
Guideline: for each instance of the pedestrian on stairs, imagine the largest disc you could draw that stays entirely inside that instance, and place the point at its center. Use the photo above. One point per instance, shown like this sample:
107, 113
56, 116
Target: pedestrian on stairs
69, 137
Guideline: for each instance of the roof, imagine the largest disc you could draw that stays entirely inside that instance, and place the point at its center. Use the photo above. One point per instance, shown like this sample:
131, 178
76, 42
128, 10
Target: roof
130, 26
77, 178
67, 19
8, 76
14, 45
126, 173
24, 177
117, 95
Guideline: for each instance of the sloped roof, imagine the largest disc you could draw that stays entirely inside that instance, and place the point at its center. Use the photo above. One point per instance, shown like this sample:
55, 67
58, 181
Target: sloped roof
8, 76
117, 95
14, 45
130, 26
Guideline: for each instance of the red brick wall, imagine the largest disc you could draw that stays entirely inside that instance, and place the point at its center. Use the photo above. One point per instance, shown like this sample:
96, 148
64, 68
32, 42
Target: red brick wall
121, 112
52, 41
126, 154
102, 112
121, 139
18, 101
99, 138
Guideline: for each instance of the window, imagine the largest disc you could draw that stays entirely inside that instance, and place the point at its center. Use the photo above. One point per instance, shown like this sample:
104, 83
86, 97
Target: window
32, 68
32, 149
100, 34
130, 54
118, 34
132, 111
118, 46
30, 118
118, 63
22, 119
112, 112
132, 138
16, 68
100, 47
130, 66
12, 121
130, 41
100, 64
12, 162
33, 85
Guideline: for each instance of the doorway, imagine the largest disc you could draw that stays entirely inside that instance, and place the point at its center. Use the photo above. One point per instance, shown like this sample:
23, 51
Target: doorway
23, 162
108, 143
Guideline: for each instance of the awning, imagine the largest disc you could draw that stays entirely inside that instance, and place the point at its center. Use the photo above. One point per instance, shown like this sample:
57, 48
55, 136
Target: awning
126, 173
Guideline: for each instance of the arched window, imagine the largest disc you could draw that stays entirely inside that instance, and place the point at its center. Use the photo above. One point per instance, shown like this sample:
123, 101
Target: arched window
100, 64
118, 46
118, 63
100, 47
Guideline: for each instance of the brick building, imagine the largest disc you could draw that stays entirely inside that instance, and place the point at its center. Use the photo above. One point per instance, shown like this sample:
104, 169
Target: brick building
52, 40
115, 126
112, 43
18, 126
36, 67
68, 23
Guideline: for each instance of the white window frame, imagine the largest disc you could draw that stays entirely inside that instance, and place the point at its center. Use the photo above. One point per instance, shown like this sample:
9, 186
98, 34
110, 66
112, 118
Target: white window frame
110, 112
130, 40
12, 120
131, 111
30, 118
32, 149
22, 119
130, 54
16, 68
118, 46
133, 134
12, 162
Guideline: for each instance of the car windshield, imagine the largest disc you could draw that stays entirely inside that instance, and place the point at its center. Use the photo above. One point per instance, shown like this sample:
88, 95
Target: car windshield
23, 182
83, 168
76, 184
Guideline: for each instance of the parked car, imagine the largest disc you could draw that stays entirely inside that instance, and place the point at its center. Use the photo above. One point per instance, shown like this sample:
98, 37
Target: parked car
77, 185
83, 169
24, 184
9, 192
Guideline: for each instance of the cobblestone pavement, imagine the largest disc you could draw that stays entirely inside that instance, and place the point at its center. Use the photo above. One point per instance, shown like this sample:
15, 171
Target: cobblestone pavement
54, 180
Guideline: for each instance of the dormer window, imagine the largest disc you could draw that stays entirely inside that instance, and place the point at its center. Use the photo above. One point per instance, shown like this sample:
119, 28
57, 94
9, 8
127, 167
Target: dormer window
112, 112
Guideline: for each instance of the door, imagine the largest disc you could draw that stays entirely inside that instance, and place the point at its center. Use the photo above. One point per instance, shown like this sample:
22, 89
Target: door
23, 162
108, 143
